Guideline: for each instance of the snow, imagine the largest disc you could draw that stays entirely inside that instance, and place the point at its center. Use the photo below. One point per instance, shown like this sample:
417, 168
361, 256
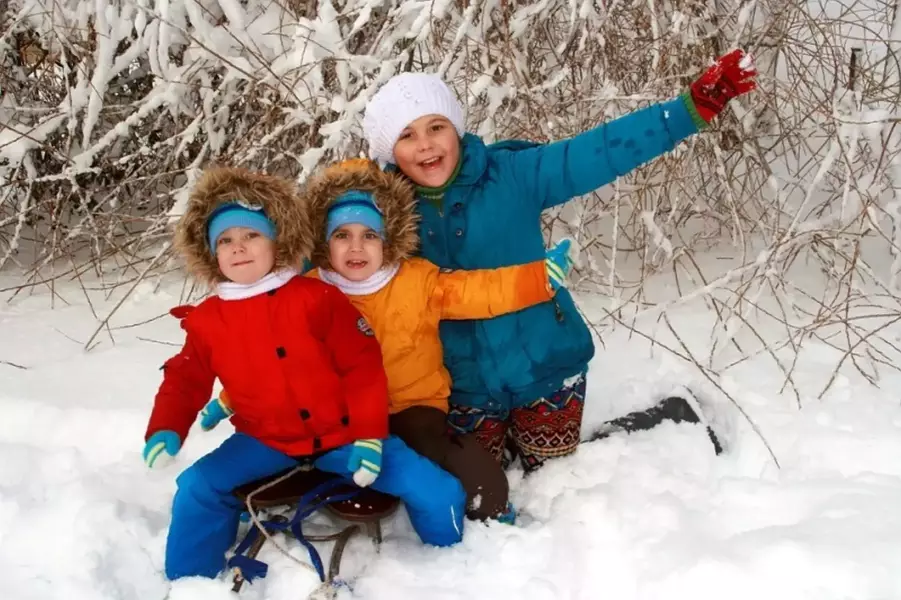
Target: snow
643, 516
649, 515
659, 238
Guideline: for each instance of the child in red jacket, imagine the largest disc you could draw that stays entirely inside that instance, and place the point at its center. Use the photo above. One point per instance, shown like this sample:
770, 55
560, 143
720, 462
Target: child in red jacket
303, 371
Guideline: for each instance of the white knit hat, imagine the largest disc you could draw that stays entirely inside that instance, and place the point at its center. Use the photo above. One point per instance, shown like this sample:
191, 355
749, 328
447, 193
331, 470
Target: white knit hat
402, 100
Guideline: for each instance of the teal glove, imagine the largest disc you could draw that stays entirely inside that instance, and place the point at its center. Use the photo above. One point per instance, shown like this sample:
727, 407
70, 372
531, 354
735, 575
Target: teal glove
558, 263
160, 448
365, 461
214, 411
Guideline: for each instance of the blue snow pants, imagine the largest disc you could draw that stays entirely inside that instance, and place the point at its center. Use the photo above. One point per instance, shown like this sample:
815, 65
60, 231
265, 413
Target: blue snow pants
205, 513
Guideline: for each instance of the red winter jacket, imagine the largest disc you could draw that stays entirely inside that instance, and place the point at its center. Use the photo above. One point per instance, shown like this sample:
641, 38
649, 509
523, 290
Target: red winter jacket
302, 369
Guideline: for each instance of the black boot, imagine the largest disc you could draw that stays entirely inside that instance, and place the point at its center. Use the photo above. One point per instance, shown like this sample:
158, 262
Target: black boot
674, 409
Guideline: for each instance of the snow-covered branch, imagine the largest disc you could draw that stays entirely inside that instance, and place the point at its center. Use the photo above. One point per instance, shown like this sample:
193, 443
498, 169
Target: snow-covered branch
109, 108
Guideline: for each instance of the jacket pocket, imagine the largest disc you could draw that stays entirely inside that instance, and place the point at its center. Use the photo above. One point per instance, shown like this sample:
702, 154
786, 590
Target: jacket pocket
556, 339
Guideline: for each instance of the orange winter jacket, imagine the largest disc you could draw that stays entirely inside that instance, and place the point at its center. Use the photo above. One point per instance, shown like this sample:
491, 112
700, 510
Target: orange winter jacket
405, 315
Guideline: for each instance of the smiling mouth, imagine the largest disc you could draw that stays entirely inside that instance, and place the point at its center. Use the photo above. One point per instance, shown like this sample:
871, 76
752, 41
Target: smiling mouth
431, 163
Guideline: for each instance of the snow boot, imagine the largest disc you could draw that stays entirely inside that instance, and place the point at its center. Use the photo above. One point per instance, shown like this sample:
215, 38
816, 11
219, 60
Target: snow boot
674, 408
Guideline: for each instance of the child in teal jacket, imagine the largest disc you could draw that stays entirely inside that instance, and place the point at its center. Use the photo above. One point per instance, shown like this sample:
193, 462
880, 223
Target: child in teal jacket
522, 375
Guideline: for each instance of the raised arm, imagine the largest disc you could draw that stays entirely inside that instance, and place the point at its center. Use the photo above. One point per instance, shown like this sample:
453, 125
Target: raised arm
556, 172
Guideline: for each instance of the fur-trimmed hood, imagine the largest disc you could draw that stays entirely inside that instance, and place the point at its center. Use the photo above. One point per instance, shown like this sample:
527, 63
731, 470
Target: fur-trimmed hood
218, 185
393, 195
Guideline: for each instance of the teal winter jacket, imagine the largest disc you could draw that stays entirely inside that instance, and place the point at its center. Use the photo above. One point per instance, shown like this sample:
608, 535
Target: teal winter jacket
490, 217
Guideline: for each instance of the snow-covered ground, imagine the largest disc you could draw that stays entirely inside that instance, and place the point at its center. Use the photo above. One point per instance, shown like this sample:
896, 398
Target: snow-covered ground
651, 515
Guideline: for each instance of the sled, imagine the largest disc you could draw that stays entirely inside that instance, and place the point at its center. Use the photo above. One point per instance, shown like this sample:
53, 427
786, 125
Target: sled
360, 510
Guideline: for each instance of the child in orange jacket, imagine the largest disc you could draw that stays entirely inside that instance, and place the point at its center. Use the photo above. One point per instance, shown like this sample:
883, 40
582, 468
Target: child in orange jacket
304, 372
365, 226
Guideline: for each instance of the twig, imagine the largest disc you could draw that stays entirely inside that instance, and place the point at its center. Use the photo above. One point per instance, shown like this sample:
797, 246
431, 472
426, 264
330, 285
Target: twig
713, 380
12, 364
143, 339
125, 297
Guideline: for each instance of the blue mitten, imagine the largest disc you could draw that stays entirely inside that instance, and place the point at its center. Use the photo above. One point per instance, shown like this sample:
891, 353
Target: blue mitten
365, 461
214, 411
558, 263
160, 448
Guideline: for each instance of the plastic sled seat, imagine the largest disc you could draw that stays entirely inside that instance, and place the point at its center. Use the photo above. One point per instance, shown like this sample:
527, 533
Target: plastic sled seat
360, 510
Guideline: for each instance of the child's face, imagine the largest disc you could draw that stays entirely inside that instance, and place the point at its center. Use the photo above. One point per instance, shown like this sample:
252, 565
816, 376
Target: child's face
427, 151
355, 251
245, 255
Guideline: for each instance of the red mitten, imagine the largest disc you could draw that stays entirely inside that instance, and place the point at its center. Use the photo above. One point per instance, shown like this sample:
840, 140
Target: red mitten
732, 75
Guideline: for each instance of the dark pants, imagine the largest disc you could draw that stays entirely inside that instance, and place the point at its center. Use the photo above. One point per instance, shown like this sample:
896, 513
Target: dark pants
424, 429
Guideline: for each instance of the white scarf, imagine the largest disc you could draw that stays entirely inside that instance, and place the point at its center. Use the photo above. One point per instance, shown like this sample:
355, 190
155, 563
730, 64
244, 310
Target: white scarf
370, 285
229, 290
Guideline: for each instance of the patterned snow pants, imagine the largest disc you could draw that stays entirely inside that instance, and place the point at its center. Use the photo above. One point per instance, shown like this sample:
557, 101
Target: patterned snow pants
545, 428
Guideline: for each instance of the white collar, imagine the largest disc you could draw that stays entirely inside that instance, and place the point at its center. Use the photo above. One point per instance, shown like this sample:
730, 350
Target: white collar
370, 285
229, 290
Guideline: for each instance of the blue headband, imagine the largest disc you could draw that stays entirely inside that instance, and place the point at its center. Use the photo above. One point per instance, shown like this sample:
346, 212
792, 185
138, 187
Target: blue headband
354, 206
233, 214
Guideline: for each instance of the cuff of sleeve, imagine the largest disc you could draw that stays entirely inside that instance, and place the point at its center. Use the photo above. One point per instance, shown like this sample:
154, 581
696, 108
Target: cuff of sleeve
696, 118
545, 291
374, 427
